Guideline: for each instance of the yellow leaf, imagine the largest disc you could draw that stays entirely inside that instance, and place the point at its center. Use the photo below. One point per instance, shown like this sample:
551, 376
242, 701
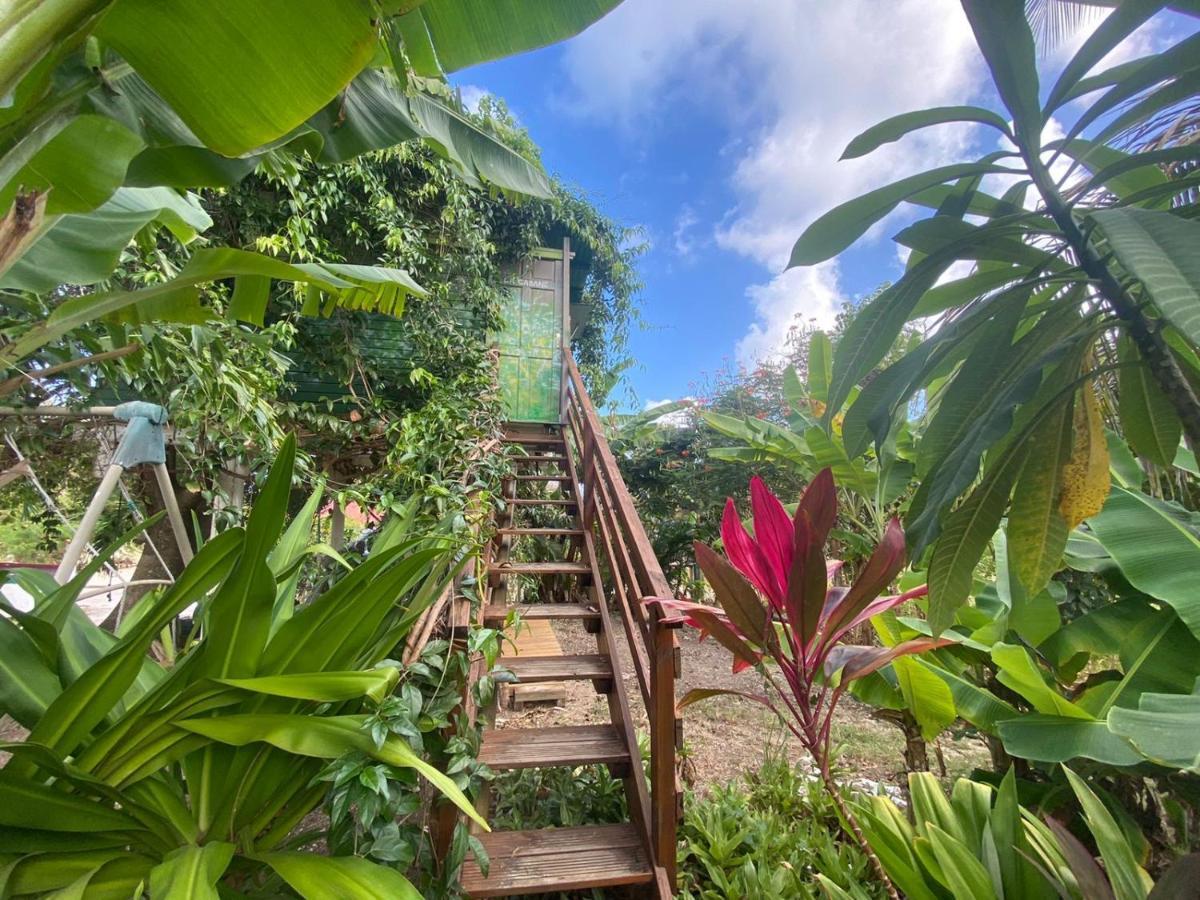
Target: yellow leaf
1085, 477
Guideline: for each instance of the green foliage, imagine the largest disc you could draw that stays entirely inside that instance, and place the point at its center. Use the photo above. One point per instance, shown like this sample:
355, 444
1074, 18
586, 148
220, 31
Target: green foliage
1016, 366
767, 836
557, 798
216, 756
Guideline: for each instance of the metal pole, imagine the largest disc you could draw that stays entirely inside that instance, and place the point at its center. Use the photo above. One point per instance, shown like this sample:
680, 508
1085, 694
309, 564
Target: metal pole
83, 533
173, 514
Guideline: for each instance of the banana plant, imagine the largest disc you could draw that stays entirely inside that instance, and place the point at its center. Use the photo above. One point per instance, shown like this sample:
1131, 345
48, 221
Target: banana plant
1086, 241
109, 109
189, 779
1115, 685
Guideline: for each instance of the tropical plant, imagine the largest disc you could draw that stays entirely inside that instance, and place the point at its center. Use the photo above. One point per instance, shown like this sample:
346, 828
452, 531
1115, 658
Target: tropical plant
981, 843
111, 107
1085, 243
800, 627
184, 776
764, 836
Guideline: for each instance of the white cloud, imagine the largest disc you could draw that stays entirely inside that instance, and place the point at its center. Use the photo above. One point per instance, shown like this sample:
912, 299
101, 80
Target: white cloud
792, 83
795, 298
471, 94
684, 234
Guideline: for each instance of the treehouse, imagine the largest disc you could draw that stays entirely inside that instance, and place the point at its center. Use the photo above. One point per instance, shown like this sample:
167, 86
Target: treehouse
543, 306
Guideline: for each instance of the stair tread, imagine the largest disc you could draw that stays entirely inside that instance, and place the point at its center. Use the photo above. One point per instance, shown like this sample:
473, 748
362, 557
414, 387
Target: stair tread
559, 859
531, 611
541, 532
541, 459
538, 501
532, 669
564, 745
547, 567
550, 440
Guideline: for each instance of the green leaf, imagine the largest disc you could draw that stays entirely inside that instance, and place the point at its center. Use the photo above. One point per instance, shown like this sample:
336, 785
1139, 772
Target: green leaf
325, 687
81, 166
828, 453
1054, 739
1126, 18
1148, 418
965, 536
316, 877
1129, 880
1019, 673
239, 619
1158, 249
977, 705
1154, 547
467, 32
1037, 531
243, 74
820, 366
325, 737
837, 229
203, 267
928, 697
191, 873
965, 875
897, 126
1164, 728
85, 703
83, 249
1003, 35
27, 685
25, 803
374, 112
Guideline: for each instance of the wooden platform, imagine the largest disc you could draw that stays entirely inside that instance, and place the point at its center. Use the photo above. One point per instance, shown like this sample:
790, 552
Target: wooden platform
559, 859
535, 638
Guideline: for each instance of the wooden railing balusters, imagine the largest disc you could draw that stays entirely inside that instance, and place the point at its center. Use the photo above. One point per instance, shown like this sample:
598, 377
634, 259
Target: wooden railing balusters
608, 514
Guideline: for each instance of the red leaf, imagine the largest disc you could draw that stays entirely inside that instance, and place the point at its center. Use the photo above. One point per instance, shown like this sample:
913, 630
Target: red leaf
772, 530
855, 662
747, 556
735, 594
881, 569
819, 503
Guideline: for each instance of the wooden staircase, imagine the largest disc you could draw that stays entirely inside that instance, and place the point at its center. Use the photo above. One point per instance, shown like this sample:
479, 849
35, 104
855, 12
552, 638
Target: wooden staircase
570, 470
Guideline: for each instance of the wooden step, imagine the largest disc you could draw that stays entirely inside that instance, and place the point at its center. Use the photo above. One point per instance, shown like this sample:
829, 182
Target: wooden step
535, 440
551, 567
571, 745
535, 669
539, 478
539, 459
495, 615
541, 532
558, 859
537, 501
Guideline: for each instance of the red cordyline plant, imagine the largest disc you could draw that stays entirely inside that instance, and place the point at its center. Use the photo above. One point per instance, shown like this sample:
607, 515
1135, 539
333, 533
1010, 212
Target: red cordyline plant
777, 605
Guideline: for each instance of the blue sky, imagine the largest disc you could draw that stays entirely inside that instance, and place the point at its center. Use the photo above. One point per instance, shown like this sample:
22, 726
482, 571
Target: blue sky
716, 127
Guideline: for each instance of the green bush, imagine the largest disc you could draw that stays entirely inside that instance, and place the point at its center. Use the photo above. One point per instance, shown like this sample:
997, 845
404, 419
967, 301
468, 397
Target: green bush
768, 836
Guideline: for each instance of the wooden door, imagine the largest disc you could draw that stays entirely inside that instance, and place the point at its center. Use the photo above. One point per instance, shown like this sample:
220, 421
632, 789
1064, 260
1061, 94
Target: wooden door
531, 340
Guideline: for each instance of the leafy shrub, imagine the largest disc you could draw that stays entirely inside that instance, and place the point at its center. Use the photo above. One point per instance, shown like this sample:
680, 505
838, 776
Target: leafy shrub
768, 836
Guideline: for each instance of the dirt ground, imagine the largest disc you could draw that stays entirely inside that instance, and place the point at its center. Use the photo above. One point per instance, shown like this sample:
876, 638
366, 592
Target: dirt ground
726, 736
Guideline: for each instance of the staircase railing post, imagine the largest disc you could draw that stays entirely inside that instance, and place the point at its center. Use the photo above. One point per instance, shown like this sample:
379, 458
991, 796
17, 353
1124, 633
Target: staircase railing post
665, 735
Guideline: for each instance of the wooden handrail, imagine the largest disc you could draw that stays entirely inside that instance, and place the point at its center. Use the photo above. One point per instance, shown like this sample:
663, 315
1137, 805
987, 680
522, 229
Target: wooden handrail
609, 513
